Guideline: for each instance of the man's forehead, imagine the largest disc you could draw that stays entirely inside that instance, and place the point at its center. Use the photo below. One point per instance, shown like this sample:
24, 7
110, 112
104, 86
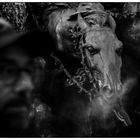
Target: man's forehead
18, 56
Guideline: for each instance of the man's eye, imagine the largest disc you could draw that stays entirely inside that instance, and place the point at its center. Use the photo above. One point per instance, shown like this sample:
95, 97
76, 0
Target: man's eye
119, 51
7, 70
93, 50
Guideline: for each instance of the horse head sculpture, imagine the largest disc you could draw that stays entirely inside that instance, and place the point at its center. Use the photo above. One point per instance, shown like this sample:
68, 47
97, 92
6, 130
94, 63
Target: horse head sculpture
87, 33
90, 36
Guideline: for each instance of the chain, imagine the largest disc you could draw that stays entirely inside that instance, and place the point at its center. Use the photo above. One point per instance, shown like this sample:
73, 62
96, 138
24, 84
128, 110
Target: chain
57, 61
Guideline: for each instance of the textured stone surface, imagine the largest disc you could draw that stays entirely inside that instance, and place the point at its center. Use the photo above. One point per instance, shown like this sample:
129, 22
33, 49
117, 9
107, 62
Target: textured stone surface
15, 13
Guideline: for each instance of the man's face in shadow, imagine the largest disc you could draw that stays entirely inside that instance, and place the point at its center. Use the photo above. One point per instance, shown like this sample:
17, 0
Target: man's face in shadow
16, 86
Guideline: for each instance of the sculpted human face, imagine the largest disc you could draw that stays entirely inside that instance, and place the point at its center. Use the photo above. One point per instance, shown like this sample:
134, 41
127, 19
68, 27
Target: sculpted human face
15, 89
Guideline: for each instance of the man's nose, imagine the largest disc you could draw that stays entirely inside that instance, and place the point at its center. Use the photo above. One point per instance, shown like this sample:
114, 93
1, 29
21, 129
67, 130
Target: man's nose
24, 84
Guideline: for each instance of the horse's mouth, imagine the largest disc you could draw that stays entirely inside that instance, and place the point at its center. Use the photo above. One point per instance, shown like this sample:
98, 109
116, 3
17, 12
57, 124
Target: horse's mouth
98, 76
98, 79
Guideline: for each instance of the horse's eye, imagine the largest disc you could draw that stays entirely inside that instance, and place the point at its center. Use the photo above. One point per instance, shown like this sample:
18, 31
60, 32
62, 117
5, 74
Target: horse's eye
119, 51
93, 50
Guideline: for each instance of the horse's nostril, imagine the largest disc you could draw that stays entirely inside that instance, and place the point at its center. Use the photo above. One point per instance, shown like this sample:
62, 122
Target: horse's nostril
107, 88
108, 91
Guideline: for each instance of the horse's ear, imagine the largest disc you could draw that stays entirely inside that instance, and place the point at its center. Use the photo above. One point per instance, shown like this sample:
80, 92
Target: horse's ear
82, 24
112, 23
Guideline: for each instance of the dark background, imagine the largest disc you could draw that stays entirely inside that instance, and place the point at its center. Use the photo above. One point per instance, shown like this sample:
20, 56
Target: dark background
28, 17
